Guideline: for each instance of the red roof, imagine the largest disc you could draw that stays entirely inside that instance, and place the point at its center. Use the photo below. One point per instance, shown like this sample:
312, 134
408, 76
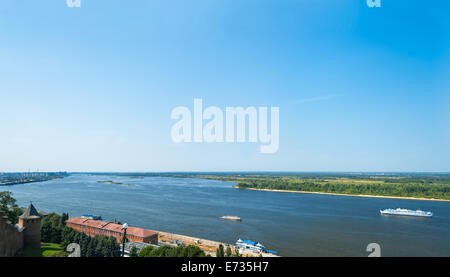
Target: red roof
76, 220
114, 227
140, 232
133, 231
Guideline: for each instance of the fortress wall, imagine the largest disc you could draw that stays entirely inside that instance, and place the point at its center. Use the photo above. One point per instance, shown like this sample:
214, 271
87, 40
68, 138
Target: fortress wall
11, 239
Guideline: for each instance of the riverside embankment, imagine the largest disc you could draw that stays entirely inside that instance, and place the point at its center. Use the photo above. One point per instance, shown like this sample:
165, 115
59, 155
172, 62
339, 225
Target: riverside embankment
208, 246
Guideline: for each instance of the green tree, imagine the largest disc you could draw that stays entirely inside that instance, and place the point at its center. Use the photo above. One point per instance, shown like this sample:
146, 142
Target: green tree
84, 242
13, 215
67, 236
164, 251
92, 248
170, 251
46, 231
191, 251
64, 218
133, 252
236, 253
228, 252
51, 228
146, 252
8, 207
101, 245
219, 251
113, 247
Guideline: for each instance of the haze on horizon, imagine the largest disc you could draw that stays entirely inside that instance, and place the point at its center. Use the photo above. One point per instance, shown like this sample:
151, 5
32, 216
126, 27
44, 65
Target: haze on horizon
91, 89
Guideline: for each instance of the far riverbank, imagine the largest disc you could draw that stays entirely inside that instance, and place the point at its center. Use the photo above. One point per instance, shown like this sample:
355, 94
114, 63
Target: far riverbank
412, 186
343, 194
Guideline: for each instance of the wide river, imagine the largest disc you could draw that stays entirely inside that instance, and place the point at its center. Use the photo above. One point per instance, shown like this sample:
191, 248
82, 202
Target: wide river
293, 224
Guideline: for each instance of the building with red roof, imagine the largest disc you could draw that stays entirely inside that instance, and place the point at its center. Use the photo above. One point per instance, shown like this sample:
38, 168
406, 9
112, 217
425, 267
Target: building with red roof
101, 228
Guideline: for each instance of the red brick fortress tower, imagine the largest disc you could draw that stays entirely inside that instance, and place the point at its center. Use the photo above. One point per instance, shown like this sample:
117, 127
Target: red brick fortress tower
30, 220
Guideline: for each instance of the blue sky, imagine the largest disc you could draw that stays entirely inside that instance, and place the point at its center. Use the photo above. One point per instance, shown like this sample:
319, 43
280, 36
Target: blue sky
92, 88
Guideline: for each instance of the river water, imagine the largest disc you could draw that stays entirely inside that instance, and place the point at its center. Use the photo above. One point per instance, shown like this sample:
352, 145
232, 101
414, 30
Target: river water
293, 224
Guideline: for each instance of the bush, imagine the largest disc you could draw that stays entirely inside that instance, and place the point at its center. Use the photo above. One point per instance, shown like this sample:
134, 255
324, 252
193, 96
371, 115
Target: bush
170, 251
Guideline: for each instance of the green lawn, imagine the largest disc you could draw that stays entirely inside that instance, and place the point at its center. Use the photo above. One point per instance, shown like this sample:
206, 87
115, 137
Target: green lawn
47, 250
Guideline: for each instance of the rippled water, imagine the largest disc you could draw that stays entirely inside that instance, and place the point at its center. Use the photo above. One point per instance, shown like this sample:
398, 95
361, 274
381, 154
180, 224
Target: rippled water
293, 224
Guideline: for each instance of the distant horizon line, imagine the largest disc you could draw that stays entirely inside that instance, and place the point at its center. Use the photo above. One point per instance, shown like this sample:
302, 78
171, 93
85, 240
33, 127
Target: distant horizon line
233, 171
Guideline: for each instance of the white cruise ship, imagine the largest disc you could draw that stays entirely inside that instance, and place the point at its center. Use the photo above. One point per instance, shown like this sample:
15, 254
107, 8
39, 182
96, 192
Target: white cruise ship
406, 212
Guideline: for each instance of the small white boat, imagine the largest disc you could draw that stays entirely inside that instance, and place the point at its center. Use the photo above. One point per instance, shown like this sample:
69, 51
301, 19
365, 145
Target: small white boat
231, 217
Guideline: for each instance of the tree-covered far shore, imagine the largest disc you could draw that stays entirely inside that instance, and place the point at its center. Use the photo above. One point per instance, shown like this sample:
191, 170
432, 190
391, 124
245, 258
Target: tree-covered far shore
415, 185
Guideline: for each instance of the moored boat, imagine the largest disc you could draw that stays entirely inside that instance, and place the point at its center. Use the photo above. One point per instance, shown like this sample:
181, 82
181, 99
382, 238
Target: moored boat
253, 246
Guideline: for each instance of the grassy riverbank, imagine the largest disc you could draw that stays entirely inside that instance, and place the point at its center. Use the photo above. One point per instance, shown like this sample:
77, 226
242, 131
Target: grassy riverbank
422, 186
407, 187
354, 195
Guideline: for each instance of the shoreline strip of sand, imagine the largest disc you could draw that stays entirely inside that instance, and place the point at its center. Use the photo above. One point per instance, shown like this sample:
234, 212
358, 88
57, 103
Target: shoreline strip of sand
343, 194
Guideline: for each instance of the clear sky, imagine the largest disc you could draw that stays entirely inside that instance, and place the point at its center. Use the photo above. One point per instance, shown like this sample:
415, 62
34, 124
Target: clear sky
92, 88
